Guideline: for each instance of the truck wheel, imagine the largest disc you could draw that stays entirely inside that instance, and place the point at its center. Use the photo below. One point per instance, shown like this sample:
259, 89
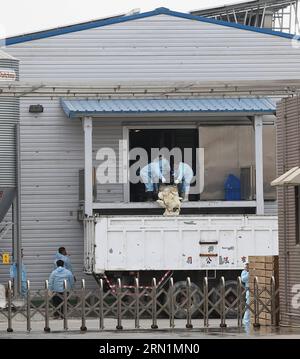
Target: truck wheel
231, 297
180, 299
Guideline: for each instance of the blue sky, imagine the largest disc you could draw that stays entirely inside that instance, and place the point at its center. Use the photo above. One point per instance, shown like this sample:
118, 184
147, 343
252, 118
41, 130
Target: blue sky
22, 16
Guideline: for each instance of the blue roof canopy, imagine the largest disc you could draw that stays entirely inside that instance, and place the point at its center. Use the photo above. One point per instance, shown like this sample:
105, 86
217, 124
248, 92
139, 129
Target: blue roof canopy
117, 107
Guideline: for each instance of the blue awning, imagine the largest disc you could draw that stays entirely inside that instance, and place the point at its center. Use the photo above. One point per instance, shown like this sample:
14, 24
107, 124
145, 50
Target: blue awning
98, 108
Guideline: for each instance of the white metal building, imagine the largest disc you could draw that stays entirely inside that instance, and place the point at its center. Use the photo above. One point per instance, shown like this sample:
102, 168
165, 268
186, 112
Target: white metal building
160, 54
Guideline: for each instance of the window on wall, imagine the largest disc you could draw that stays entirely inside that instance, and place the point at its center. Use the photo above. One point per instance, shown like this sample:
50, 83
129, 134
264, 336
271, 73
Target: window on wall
297, 214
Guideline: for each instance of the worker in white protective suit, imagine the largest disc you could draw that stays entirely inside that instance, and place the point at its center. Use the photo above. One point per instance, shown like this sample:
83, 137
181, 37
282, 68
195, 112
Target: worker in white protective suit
153, 173
183, 175
245, 280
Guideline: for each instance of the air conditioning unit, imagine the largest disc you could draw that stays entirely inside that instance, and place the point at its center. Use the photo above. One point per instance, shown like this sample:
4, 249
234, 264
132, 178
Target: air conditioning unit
81, 185
247, 178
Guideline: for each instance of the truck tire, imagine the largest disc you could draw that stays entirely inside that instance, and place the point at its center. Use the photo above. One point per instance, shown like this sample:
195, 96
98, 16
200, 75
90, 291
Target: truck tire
231, 297
231, 312
180, 291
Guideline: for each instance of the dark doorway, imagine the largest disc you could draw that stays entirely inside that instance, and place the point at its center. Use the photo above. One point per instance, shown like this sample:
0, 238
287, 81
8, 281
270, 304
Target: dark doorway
159, 138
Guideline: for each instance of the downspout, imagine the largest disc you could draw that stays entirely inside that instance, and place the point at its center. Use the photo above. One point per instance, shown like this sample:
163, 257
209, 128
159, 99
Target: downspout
17, 235
284, 213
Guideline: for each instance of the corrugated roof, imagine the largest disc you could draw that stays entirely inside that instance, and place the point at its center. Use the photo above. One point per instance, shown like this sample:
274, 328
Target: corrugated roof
160, 11
80, 108
289, 178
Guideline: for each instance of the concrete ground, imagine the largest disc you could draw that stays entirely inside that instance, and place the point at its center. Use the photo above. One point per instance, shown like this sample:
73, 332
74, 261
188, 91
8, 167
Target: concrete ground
163, 332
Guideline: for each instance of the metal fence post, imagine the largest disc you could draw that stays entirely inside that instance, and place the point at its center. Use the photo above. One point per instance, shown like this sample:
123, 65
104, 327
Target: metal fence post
222, 303
154, 305
256, 304
28, 319
119, 305
137, 304
9, 303
101, 317
273, 301
239, 302
189, 324
83, 327
171, 301
47, 328
65, 305
205, 301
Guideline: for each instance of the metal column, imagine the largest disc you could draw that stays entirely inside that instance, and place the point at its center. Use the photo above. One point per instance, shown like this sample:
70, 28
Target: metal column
259, 173
88, 165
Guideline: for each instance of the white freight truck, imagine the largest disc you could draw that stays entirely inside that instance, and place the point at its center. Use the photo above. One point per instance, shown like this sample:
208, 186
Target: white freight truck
186, 245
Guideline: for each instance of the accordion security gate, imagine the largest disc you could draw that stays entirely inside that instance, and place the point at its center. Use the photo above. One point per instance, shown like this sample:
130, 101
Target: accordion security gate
137, 302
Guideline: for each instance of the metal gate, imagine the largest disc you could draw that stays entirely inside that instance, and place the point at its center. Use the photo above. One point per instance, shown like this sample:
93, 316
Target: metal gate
153, 303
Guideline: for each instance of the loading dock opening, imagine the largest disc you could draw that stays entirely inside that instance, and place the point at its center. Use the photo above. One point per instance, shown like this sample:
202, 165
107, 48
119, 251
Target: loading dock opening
159, 138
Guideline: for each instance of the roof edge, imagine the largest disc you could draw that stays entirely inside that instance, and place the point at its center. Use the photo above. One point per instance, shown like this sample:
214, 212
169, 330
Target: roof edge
115, 20
5, 56
77, 114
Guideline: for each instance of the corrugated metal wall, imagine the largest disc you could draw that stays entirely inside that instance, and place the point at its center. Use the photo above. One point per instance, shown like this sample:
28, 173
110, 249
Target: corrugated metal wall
288, 156
52, 154
9, 117
108, 136
159, 48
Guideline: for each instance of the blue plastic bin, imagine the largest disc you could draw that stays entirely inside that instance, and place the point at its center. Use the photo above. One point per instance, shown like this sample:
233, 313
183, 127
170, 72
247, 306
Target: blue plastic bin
232, 188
